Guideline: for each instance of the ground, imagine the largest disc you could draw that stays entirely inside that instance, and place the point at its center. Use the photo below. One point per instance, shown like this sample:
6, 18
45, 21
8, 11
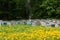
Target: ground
28, 32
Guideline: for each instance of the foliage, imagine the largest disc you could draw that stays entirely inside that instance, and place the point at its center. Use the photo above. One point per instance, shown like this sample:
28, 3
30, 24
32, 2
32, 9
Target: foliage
25, 9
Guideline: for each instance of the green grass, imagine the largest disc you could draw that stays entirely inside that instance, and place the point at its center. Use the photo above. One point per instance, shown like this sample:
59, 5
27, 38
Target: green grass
19, 28
24, 28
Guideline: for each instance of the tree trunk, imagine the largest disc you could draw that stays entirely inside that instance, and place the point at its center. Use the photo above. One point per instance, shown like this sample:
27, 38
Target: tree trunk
28, 8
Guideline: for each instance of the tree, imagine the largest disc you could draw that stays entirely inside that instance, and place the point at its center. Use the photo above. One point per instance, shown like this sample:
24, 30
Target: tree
29, 9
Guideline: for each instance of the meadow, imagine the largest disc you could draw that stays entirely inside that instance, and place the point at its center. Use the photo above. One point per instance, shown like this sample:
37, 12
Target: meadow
28, 32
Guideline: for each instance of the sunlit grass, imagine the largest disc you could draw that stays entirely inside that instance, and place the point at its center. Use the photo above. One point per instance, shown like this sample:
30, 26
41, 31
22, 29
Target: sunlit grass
28, 32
